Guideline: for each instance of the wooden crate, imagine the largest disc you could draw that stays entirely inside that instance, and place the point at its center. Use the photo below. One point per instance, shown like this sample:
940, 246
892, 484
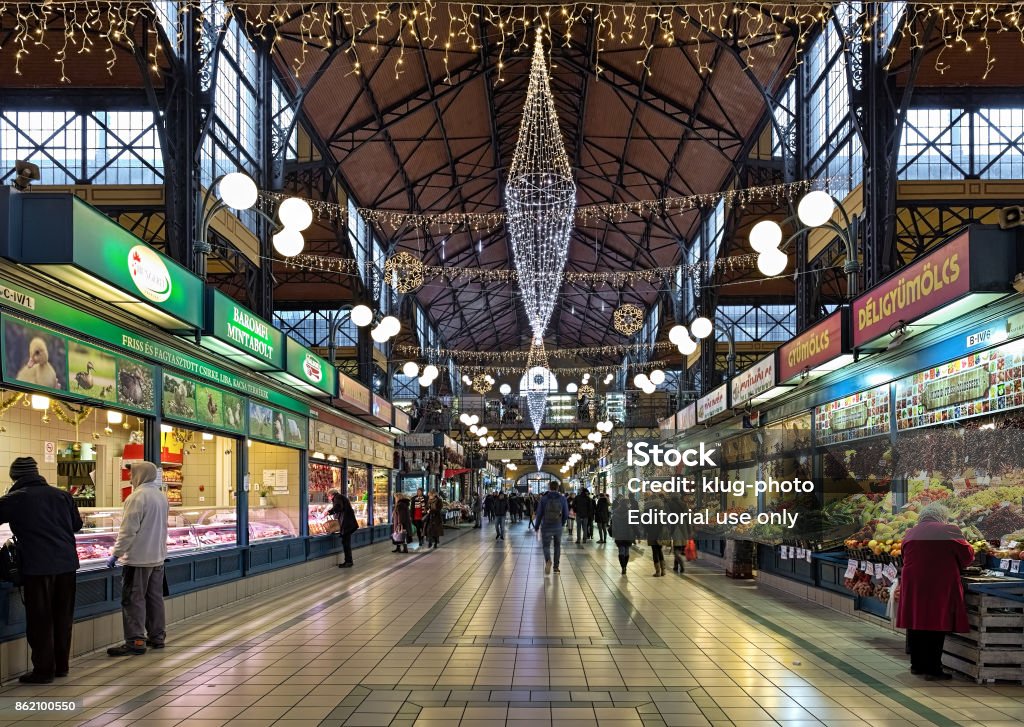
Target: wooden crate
984, 663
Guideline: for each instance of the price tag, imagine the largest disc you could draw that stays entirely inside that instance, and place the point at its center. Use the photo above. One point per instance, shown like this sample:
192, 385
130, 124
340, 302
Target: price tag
1004, 564
890, 572
800, 553
864, 566
784, 552
1011, 544
807, 556
851, 568
1015, 566
878, 570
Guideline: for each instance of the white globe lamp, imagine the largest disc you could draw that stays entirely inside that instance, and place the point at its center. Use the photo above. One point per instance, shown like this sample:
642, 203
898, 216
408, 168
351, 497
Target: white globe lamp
289, 242
687, 347
505, 389
425, 382
650, 388
380, 335
816, 208
657, 377
571, 387
391, 324
701, 327
237, 191
765, 235
640, 380
772, 263
676, 334
361, 315
431, 371
295, 213
410, 369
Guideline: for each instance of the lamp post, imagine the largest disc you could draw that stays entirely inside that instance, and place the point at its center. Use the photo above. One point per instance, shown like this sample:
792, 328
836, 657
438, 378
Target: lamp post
814, 211
237, 191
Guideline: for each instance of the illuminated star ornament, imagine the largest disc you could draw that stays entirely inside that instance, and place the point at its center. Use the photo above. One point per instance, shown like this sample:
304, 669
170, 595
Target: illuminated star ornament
538, 456
540, 198
539, 381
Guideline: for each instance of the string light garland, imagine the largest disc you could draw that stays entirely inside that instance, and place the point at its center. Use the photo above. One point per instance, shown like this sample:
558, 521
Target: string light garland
304, 32
784, 193
540, 197
569, 371
479, 357
628, 319
70, 415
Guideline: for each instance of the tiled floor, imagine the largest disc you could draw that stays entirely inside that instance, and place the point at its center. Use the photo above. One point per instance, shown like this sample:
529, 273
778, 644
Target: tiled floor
475, 634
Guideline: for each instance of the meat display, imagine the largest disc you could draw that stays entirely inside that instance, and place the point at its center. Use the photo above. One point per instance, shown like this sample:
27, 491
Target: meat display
262, 531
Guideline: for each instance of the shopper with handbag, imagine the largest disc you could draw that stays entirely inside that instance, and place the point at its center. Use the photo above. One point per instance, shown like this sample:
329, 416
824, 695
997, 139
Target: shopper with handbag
499, 508
341, 508
401, 530
584, 508
622, 530
44, 520
602, 512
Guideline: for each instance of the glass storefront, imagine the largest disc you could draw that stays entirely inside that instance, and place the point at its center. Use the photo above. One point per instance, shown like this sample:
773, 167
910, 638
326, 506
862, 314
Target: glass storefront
274, 484
357, 490
323, 477
381, 495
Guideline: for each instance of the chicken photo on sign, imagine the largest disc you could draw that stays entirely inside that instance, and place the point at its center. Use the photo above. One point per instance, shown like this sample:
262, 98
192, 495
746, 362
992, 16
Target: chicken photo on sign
210, 405
35, 356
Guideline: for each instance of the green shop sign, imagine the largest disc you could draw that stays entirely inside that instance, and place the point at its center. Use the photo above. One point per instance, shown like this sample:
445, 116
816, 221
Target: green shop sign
185, 399
307, 371
269, 424
26, 300
235, 332
84, 248
40, 358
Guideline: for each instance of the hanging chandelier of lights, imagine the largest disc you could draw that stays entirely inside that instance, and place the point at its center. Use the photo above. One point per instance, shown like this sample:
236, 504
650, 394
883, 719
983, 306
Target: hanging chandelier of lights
538, 383
540, 198
538, 456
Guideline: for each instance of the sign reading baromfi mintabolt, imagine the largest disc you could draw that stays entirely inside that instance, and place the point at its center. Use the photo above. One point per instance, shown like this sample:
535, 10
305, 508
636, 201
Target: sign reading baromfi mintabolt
239, 328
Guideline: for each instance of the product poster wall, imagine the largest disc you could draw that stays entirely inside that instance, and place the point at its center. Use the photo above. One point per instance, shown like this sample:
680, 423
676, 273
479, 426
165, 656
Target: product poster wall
860, 415
979, 383
44, 359
187, 399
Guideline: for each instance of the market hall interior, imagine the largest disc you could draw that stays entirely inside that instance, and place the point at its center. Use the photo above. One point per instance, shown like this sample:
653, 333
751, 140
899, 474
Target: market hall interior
475, 633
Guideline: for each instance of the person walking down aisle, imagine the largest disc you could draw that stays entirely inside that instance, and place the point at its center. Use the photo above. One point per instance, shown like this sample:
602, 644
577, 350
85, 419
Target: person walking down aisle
435, 520
931, 603
44, 520
680, 534
401, 530
655, 535
419, 512
584, 507
570, 501
141, 547
476, 511
529, 503
341, 508
499, 508
602, 512
552, 515
622, 531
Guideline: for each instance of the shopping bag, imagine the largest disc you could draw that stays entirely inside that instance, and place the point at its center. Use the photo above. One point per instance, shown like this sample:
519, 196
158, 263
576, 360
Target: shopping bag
398, 537
691, 549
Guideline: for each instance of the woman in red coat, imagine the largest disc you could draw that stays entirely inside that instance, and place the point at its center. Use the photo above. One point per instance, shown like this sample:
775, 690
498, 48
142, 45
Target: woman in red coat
931, 601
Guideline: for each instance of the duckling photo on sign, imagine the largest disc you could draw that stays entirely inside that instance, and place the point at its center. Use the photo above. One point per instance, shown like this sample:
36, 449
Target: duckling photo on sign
35, 356
92, 372
135, 385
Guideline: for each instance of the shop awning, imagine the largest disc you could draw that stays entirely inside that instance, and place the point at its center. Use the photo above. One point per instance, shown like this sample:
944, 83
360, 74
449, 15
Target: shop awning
236, 333
64, 237
971, 270
823, 347
455, 473
352, 396
307, 371
380, 411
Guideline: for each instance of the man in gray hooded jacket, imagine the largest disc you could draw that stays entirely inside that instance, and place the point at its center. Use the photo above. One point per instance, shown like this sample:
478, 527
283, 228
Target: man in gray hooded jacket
142, 549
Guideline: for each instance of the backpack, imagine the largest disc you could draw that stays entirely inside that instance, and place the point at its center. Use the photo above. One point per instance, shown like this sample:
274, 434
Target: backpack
10, 562
552, 512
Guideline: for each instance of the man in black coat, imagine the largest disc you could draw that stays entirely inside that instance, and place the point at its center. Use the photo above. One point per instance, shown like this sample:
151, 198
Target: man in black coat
584, 508
44, 520
602, 512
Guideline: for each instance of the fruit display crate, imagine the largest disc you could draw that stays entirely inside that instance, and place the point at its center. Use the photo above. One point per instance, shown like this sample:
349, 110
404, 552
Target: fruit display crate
993, 650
